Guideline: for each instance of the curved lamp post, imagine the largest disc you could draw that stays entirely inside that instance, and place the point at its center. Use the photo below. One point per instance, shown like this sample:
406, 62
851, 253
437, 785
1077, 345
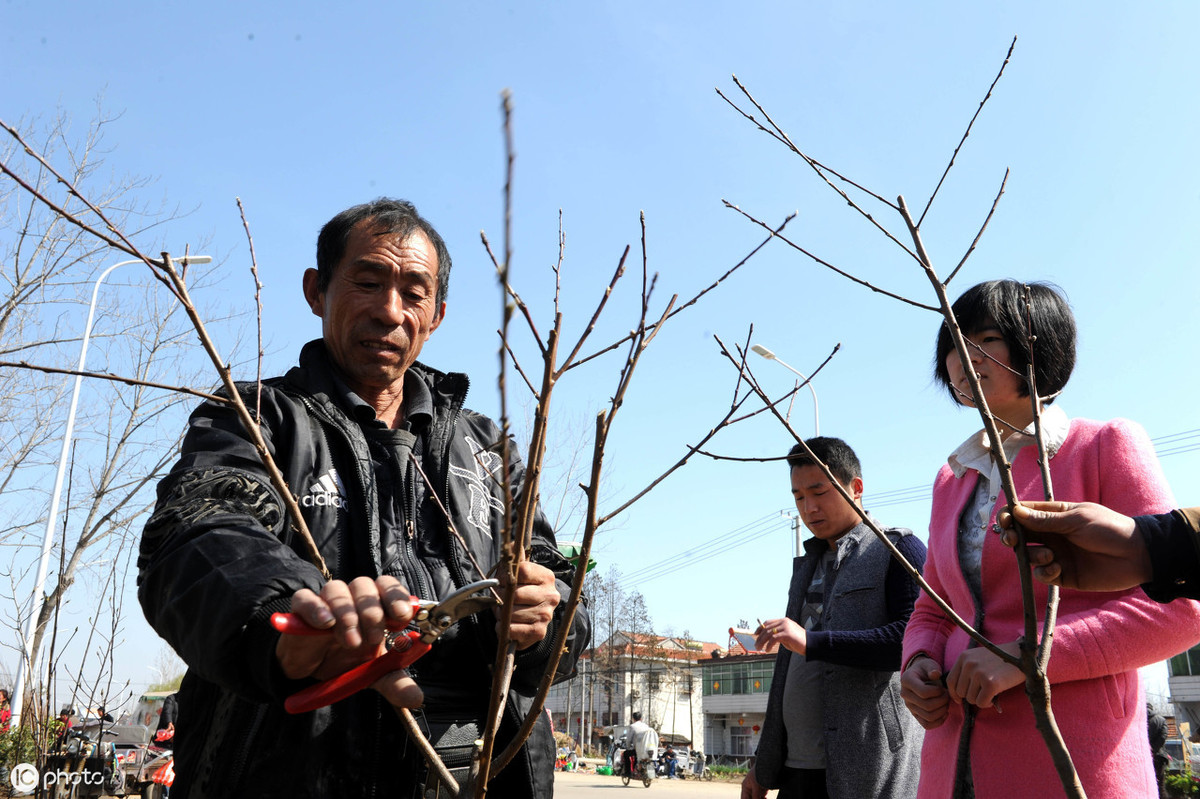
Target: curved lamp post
18, 694
770, 356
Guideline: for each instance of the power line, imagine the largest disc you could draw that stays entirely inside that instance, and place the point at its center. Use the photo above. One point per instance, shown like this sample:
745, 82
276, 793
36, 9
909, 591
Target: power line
751, 531
1165, 446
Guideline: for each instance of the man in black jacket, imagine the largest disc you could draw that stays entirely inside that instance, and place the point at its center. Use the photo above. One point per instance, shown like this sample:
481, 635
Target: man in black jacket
378, 449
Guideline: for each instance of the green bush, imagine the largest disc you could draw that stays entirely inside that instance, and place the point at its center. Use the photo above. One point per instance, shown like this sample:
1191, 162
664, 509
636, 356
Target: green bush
16, 746
1181, 784
728, 771
22, 746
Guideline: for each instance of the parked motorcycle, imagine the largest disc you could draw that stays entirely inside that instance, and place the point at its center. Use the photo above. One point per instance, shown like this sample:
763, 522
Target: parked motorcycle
84, 767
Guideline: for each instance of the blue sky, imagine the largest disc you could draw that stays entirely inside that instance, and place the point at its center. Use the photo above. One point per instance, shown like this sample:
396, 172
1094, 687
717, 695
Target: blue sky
301, 109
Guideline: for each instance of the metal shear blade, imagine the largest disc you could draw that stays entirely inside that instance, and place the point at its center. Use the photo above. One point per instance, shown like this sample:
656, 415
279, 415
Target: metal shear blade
433, 620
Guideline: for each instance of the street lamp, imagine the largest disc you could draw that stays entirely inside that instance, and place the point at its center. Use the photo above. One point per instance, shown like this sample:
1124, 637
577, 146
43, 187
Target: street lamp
18, 695
770, 356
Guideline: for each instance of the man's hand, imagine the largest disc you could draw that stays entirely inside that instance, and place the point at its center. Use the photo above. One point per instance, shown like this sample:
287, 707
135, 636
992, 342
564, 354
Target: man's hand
1086, 546
784, 632
979, 676
357, 613
750, 787
537, 597
922, 690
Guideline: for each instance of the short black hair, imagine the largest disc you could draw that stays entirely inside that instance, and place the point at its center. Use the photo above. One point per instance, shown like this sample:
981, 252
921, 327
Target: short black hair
833, 452
637, 715
387, 216
1001, 303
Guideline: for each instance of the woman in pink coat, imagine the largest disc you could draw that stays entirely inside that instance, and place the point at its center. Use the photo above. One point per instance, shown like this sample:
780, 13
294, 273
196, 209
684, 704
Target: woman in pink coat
980, 738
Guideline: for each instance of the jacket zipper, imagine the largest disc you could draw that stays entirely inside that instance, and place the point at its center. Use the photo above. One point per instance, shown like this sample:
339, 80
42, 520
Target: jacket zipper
408, 538
238, 767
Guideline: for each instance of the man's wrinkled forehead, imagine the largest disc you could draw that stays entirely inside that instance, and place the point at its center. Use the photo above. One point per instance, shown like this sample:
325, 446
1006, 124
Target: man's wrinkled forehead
401, 237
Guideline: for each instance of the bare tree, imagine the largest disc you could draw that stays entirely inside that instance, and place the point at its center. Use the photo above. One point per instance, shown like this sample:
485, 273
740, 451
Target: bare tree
125, 457
606, 600
168, 670
48, 266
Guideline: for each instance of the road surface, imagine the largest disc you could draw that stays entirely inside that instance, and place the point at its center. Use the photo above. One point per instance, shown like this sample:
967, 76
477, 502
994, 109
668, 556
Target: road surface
588, 785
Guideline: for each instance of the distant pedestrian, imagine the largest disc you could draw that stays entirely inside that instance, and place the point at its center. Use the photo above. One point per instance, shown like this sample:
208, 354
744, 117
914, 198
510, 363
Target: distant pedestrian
670, 760
1156, 729
165, 733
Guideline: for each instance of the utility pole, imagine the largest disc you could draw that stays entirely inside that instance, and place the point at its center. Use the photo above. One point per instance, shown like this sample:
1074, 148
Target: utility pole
797, 532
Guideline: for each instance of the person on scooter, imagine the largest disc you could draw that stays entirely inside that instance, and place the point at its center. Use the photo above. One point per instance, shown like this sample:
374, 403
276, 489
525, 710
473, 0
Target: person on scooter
643, 741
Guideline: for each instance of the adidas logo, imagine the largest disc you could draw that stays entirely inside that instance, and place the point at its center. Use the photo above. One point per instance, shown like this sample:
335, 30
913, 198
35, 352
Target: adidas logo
328, 491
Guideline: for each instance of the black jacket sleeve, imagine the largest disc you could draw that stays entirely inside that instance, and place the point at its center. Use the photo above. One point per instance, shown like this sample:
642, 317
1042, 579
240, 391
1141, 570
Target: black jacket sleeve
212, 566
1174, 543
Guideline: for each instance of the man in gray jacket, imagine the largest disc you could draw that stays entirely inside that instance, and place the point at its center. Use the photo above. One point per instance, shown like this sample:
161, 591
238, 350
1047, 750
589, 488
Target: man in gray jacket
835, 724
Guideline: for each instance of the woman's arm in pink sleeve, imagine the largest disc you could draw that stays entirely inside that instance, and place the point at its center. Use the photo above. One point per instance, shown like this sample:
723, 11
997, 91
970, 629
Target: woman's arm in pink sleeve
1121, 634
1131, 480
928, 626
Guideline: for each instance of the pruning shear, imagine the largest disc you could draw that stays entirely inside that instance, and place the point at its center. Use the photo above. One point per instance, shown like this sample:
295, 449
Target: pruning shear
404, 644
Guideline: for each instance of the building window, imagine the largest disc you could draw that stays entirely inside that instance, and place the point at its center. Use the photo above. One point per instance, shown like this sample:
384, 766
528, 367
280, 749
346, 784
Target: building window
1185, 664
653, 681
739, 741
739, 678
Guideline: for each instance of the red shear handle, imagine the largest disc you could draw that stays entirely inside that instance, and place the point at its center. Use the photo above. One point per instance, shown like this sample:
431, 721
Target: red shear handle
291, 624
362, 676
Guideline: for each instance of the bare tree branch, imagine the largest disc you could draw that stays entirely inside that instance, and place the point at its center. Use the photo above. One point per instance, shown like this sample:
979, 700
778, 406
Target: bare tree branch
699, 294
129, 381
258, 313
828, 265
966, 133
979, 235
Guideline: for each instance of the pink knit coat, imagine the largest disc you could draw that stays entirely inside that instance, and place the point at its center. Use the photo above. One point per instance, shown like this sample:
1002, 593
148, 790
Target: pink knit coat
1100, 641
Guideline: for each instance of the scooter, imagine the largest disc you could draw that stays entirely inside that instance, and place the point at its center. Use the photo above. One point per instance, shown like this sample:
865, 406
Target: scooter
644, 770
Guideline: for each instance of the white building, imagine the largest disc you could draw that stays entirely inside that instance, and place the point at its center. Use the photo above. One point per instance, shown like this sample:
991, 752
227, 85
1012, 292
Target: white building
656, 675
735, 688
1184, 682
